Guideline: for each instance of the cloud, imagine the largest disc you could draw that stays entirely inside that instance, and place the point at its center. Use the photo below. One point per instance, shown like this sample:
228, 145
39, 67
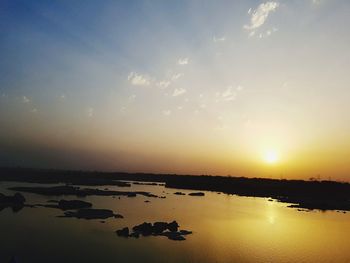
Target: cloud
166, 112
265, 34
178, 92
219, 39
239, 88
90, 112
259, 15
229, 94
34, 110
139, 79
163, 84
176, 76
132, 98
25, 99
183, 61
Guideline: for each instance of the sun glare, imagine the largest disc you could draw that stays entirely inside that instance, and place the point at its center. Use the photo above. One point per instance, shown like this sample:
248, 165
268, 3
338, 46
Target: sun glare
271, 157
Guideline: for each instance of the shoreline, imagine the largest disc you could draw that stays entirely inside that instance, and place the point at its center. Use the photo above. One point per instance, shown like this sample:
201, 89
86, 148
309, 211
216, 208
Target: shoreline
320, 195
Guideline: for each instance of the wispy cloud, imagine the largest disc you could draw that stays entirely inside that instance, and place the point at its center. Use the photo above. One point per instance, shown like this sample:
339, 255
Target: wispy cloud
179, 91
166, 112
229, 94
25, 99
132, 98
139, 79
259, 15
265, 34
163, 84
176, 76
90, 112
219, 39
183, 61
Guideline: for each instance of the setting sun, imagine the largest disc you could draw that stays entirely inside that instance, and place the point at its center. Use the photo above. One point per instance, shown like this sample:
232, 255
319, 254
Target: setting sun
271, 157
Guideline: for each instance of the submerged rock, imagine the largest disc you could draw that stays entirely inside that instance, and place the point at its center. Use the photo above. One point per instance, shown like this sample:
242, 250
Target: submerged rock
173, 235
196, 194
179, 193
89, 213
185, 232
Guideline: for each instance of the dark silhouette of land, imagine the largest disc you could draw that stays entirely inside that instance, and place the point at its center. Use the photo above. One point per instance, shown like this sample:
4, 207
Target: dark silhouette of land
169, 230
322, 195
16, 202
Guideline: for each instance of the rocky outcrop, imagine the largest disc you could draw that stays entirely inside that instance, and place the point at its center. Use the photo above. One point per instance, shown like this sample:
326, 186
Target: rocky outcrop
89, 213
16, 202
124, 232
169, 230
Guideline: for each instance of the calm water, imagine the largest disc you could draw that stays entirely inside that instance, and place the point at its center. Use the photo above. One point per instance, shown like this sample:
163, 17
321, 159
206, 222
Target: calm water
226, 229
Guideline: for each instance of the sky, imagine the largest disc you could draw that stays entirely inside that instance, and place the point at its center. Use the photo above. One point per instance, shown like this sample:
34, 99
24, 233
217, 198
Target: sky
241, 88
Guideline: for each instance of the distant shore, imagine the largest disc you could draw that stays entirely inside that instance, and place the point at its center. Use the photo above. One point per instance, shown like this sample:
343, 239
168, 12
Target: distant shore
321, 195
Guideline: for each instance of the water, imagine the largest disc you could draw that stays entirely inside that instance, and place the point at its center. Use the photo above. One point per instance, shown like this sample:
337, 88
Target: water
225, 229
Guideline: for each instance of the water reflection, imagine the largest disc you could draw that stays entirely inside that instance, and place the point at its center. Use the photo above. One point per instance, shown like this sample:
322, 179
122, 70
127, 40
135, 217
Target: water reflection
225, 229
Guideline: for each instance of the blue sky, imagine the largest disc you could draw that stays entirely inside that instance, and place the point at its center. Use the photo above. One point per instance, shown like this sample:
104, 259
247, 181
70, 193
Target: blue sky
210, 86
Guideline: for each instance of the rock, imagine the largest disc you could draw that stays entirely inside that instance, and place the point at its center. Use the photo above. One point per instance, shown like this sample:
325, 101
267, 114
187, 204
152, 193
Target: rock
124, 232
196, 194
16, 202
179, 193
17, 198
159, 227
169, 230
89, 213
173, 226
118, 216
145, 229
173, 236
135, 235
185, 232
147, 201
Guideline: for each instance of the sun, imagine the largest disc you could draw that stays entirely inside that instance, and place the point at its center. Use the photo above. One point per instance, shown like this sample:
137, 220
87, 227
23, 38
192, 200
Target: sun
271, 157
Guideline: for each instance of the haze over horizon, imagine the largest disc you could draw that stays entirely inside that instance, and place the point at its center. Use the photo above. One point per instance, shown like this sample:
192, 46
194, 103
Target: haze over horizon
246, 88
